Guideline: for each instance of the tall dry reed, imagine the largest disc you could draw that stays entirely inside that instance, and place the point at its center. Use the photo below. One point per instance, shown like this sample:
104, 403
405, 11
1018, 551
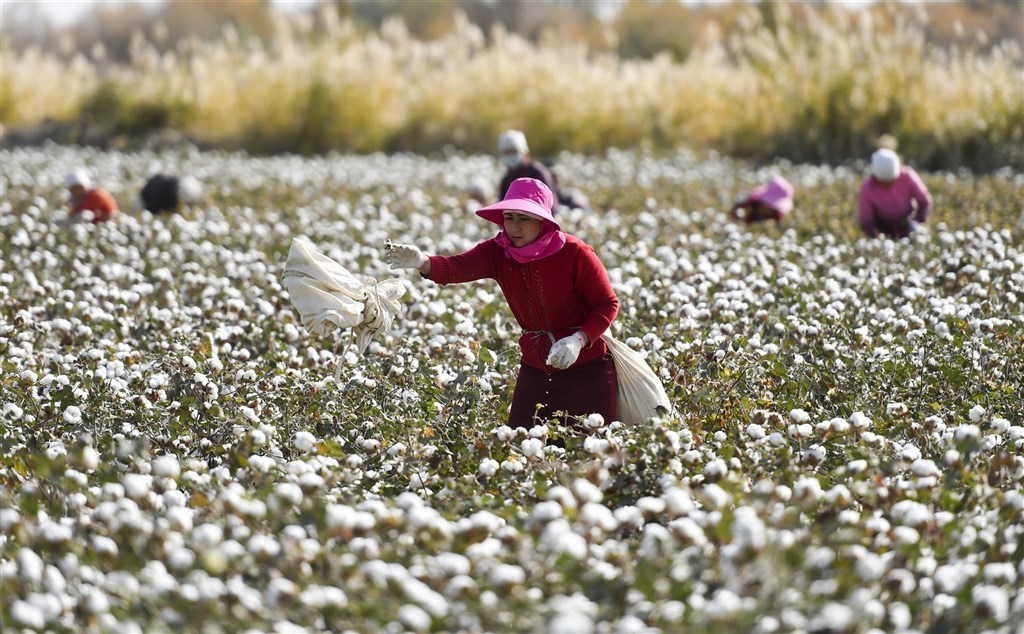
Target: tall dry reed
819, 89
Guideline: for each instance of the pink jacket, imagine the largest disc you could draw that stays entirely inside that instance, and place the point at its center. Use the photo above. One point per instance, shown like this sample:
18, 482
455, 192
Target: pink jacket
888, 208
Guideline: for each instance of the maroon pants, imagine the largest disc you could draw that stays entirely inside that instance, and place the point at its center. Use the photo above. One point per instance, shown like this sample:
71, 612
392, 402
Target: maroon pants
579, 391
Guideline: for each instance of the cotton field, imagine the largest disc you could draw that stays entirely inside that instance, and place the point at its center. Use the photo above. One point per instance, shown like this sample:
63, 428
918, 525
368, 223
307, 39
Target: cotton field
846, 453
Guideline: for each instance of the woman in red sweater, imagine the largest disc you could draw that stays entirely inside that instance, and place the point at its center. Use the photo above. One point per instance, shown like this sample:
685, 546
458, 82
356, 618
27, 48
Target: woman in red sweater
557, 290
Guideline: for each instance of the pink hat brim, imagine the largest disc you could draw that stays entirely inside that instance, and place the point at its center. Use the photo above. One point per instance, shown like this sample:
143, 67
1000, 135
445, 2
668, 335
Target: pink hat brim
778, 195
496, 212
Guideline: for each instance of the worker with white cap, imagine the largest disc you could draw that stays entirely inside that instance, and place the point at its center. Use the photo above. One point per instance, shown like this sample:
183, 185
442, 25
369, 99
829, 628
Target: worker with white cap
514, 154
86, 201
893, 200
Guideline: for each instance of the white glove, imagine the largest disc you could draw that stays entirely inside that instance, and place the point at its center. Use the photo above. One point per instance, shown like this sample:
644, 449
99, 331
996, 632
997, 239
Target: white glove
404, 256
566, 350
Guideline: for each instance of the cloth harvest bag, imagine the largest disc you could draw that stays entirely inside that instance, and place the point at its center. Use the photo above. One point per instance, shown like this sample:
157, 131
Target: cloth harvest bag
640, 391
328, 297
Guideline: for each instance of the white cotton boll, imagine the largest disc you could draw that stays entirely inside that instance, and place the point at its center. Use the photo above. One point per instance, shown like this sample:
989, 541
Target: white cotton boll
651, 506
9, 518
586, 491
832, 617
55, 533
724, 603
776, 439
839, 425
546, 511
860, 421
895, 409
839, 495
715, 496
857, 466
562, 496
748, 531
573, 622
598, 516
319, 597
263, 546
166, 466
807, 489
30, 567
923, 468
800, 431
559, 538
1001, 425
513, 464
304, 441
594, 421
869, 567
596, 446
261, 464
966, 432
504, 433
488, 467
27, 615
136, 485
799, 416
976, 413
716, 469
910, 453
1000, 572
678, 501
905, 535
94, 601
289, 493
258, 438
72, 415
507, 575
104, 546
755, 431
815, 454
370, 444
911, 513
532, 447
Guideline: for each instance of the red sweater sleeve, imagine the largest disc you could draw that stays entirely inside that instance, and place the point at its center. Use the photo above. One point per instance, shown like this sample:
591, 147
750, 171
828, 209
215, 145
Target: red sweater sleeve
480, 262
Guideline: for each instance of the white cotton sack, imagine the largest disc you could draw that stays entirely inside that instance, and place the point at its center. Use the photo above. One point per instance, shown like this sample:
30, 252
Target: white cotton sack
328, 297
640, 391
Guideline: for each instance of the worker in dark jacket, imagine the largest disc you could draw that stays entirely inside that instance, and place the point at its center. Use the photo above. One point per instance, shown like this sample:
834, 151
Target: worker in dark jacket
164, 193
514, 153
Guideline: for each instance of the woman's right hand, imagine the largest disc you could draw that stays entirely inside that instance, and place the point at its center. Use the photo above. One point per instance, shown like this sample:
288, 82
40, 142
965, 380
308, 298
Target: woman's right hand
404, 256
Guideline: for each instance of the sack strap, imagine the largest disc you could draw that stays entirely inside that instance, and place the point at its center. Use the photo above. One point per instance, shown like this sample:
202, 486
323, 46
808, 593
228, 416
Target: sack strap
550, 334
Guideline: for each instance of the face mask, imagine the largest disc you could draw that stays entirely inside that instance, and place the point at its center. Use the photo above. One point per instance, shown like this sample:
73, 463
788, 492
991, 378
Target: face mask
512, 160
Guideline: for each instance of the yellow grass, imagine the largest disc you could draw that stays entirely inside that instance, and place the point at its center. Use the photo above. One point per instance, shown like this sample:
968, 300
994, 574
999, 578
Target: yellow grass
821, 89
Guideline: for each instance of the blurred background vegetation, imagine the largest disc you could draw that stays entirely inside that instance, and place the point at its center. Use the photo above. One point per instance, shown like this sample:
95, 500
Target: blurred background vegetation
810, 82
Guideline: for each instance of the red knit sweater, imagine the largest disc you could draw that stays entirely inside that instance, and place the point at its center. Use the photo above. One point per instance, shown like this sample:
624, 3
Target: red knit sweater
559, 294
99, 202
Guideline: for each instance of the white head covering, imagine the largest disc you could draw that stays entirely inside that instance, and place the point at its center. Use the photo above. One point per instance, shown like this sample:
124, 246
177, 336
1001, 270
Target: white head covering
190, 190
78, 176
512, 140
885, 165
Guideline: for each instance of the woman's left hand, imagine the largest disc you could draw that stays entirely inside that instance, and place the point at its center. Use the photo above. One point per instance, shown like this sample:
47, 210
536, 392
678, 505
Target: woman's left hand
566, 350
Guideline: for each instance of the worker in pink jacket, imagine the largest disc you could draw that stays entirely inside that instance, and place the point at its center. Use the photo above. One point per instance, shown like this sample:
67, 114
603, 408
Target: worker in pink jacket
892, 201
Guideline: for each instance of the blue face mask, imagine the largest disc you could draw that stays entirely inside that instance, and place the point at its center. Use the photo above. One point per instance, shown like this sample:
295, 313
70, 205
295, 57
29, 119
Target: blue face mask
512, 160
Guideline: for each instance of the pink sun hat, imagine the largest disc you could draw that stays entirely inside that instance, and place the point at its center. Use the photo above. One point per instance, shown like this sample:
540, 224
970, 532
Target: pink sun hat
527, 195
778, 194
